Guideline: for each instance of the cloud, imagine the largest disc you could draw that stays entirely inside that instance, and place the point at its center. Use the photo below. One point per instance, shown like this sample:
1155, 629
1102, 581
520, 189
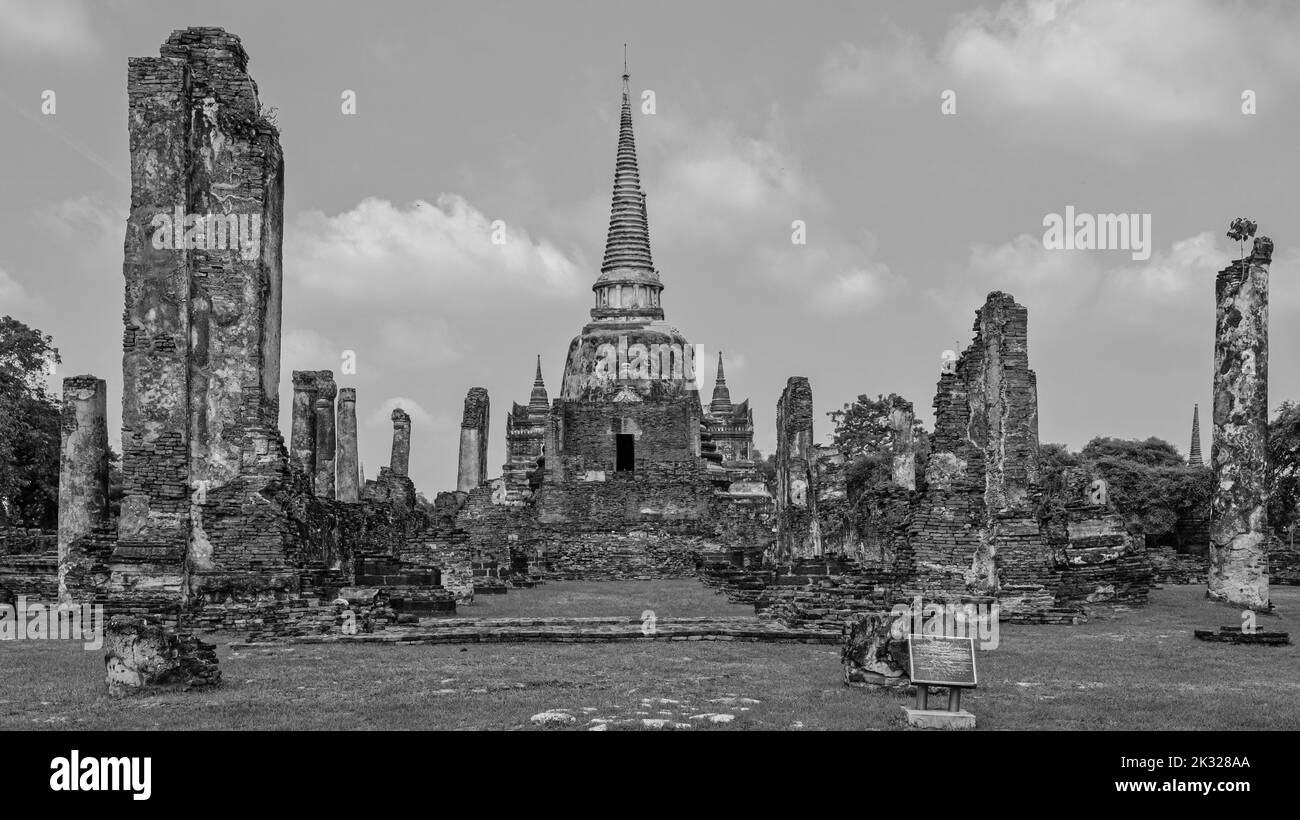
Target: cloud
46, 28
14, 298
716, 192
1108, 65
1070, 286
383, 416
304, 349
379, 252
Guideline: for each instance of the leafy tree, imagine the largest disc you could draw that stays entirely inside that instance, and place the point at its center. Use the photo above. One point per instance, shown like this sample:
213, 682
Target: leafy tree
1284, 470
29, 427
862, 427
1150, 484
766, 468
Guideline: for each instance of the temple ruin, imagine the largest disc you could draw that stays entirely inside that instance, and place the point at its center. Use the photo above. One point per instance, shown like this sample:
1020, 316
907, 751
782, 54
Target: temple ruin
625, 474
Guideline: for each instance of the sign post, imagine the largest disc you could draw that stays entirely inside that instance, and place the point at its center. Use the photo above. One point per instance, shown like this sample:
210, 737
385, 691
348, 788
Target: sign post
940, 660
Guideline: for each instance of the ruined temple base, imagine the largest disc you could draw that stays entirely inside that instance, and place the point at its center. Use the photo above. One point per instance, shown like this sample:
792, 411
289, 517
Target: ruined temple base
564, 630
1233, 634
938, 719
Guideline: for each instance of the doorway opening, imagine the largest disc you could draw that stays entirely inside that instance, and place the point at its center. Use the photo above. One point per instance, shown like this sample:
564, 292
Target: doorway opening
624, 452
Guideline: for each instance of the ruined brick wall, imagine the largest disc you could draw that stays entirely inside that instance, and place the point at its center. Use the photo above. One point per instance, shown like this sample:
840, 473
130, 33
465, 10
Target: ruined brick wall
975, 532
1239, 449
202, 324
665, 433
472, 470
796, 479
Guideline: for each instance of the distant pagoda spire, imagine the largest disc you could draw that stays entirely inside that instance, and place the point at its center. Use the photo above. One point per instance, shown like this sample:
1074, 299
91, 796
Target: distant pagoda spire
721, 403
538, 401
627, 259
1194, 455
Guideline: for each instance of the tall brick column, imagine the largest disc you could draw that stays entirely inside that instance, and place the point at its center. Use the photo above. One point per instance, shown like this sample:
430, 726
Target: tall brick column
400, 461
472, 470
83, 473
796, 491
1239, 448
901, 445
302, 436
326, 390
201, 357
346, 462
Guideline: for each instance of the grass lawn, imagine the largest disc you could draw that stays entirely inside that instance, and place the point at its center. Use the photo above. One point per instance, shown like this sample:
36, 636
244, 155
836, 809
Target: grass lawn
1134, 669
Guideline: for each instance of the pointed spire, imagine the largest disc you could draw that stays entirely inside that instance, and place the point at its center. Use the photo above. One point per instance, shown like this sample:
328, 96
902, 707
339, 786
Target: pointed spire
721, 404
538, 401
1194, 455
627, 245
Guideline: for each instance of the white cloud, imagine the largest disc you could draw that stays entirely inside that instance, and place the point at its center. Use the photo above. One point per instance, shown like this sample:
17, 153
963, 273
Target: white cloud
1108, 65
1067, 286
383, 415
718, 192
379, 252
14, 298
46, 28
304, 349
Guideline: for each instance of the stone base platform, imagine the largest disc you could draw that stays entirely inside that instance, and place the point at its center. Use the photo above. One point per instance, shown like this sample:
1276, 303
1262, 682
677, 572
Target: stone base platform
1233, 634
568, 630
939, 719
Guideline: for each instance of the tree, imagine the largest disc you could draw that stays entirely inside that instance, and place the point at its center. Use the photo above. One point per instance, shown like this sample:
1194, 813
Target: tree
766, 468
1284, 470
1150, 484
863, 427
29, 427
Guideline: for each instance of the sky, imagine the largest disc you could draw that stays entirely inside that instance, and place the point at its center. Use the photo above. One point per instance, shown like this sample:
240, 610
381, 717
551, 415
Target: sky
827, 113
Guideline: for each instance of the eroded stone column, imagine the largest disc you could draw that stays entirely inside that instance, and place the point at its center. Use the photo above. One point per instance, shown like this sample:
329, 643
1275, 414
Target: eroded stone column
901, 445
326, 390
302, 435
1239, 450
348, 488
796, 494
83, 473
400, 461
472, 470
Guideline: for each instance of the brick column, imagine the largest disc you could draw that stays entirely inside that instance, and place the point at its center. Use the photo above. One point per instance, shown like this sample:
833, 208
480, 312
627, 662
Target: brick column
83, 473
400, 462
472, 471
346, 462
302, 435
325, 440
1239, 449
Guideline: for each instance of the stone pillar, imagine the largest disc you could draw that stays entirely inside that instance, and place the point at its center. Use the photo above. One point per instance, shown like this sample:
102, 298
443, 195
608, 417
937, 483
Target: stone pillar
346, 461
798, 535
83, 473
325, 439
1239, 449
400, 462
472, 470
904, 456
302, 436
201, 358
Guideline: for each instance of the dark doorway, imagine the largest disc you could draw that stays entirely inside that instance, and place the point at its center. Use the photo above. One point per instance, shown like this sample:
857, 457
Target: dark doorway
624, 451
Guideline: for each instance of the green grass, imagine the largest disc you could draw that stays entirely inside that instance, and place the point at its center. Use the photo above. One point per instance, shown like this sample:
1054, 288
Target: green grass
1135, 669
